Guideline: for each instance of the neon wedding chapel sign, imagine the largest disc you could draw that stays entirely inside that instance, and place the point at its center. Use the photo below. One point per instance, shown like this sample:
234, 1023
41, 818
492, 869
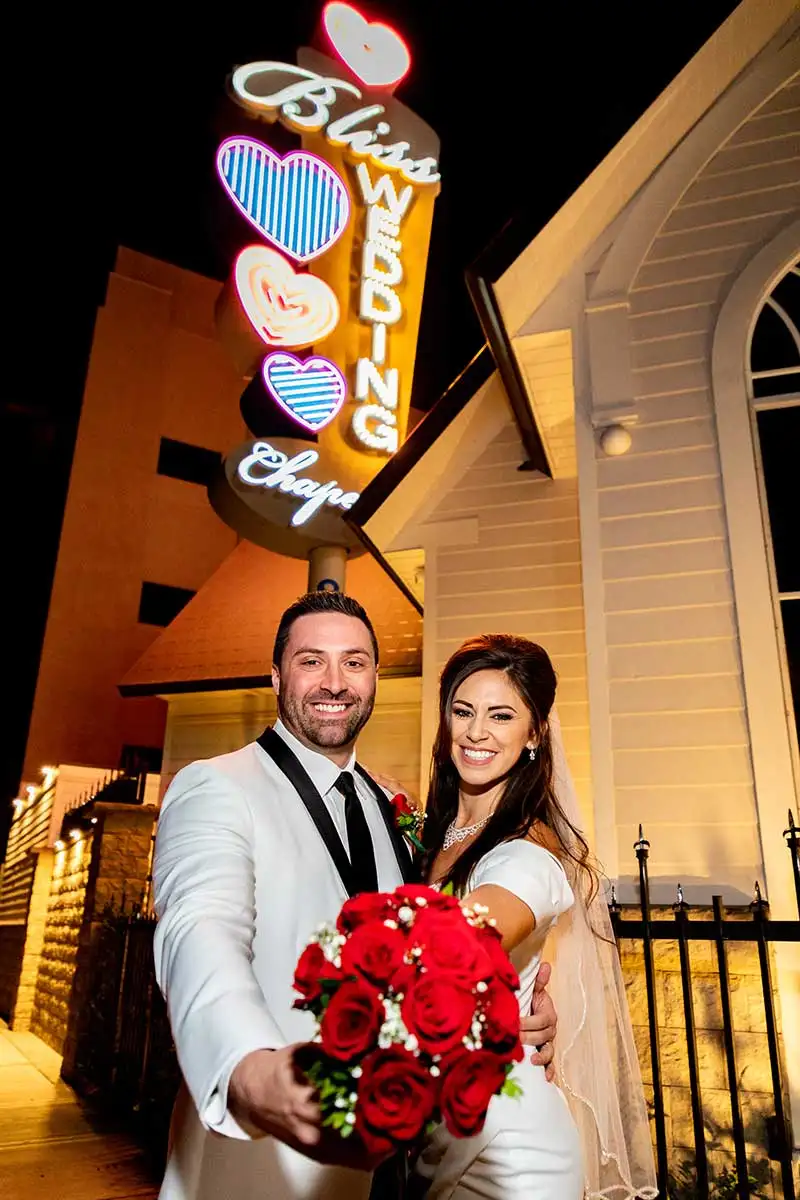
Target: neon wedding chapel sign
322, 307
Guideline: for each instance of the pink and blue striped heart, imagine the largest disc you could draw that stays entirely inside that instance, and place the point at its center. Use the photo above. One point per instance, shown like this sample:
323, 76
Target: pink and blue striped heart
311, 390
297, 202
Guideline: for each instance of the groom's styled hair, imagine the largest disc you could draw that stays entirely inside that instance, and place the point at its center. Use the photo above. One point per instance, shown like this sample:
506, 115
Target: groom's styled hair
320, 602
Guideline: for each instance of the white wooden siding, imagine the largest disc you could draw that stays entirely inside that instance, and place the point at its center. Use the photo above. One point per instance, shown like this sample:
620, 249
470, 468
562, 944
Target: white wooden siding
680, 734
28, 834
546, 362
522, 576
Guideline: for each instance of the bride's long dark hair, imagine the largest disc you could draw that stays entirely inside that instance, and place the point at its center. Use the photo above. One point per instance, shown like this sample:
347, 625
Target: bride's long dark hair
528, 801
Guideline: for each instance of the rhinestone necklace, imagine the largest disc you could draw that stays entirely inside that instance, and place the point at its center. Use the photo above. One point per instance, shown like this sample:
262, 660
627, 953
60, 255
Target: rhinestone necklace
453, 834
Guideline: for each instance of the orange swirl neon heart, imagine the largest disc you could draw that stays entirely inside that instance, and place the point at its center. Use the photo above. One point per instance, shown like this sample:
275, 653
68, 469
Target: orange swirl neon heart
284, 308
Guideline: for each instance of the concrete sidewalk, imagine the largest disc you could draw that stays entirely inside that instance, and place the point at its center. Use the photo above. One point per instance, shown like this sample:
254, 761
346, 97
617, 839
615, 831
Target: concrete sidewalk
51, 1147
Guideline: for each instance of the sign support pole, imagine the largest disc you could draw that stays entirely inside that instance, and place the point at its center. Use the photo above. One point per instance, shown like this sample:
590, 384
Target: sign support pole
327, 568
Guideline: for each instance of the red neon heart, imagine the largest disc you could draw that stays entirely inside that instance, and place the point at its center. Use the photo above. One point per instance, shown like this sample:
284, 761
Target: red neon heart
374, 52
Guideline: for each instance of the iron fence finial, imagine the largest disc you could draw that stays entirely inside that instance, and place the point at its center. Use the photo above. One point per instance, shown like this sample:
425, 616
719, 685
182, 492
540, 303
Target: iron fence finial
642, 845
759, 906
614, 906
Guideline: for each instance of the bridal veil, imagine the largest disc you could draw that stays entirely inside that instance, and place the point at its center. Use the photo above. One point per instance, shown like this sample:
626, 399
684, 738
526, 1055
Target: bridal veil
596, 1059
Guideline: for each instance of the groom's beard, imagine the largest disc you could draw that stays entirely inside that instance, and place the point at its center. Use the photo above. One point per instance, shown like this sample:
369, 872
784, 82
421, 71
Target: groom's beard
328, 731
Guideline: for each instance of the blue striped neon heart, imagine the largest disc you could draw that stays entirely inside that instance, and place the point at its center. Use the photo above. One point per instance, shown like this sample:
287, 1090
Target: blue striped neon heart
311, 390
297, 201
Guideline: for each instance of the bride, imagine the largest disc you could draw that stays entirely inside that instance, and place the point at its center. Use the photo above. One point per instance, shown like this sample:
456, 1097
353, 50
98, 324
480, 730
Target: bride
501, 830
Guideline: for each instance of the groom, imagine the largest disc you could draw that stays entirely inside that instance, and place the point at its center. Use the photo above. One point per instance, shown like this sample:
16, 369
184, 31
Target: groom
255, 850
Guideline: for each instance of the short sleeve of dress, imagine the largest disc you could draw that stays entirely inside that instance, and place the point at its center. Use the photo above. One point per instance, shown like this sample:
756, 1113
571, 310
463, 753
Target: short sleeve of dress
530, 873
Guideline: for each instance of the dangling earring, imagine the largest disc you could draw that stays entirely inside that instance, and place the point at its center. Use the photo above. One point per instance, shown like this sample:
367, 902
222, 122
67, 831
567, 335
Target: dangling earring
532, 753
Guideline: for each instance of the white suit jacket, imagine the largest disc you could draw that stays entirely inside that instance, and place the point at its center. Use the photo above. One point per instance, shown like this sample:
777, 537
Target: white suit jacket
242, 879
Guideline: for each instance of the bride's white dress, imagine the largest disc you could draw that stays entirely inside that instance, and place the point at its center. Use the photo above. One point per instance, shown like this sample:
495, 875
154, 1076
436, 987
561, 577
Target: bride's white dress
529, 1147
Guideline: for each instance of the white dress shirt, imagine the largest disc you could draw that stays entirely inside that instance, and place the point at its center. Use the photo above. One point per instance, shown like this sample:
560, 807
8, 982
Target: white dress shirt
323, 774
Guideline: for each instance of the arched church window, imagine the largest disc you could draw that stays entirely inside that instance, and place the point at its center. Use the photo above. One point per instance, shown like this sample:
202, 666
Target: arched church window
774, 378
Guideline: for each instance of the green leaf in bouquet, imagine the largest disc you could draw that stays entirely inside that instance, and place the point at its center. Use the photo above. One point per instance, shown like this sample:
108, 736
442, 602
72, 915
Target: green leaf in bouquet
319, 1071
511, 1088
341, 1076
448, 889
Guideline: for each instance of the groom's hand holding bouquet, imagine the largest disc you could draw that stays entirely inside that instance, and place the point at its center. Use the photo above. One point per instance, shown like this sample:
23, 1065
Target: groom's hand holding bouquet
417, 1018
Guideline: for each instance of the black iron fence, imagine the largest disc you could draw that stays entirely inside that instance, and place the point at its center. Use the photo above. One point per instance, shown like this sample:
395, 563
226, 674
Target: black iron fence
760, 932
126, 1057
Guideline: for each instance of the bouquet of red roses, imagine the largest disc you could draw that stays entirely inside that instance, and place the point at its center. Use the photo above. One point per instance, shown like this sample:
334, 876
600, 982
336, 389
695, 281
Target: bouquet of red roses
417, 1016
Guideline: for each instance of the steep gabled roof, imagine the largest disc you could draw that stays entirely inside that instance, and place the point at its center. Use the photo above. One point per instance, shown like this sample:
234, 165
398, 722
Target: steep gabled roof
223, 638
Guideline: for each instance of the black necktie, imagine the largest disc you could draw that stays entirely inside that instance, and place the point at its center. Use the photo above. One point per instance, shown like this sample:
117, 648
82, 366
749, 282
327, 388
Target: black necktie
362, 854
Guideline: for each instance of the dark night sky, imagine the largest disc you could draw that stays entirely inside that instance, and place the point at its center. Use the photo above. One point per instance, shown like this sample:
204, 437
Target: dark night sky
116, 112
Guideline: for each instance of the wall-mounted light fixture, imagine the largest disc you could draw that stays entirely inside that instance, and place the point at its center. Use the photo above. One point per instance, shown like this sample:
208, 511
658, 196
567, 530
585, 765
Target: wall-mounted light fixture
615, 440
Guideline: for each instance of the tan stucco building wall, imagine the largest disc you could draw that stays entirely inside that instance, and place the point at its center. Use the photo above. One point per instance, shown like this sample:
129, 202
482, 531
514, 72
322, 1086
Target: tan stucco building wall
155, 371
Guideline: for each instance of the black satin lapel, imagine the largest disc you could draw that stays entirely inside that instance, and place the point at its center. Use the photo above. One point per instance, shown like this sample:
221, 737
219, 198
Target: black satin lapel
401, 847
287, 761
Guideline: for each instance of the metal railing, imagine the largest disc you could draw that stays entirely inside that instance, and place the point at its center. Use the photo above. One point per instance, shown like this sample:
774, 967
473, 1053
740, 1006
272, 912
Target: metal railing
118, 787
126, 1055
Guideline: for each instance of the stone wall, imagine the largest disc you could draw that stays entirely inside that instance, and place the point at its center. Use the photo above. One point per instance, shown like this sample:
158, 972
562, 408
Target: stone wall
750, 1041
33, 942
72, 888
64, 921
119, 880
123, 860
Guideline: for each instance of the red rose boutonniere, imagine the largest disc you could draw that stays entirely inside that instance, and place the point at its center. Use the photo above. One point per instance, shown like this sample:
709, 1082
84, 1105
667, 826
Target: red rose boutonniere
408, 819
